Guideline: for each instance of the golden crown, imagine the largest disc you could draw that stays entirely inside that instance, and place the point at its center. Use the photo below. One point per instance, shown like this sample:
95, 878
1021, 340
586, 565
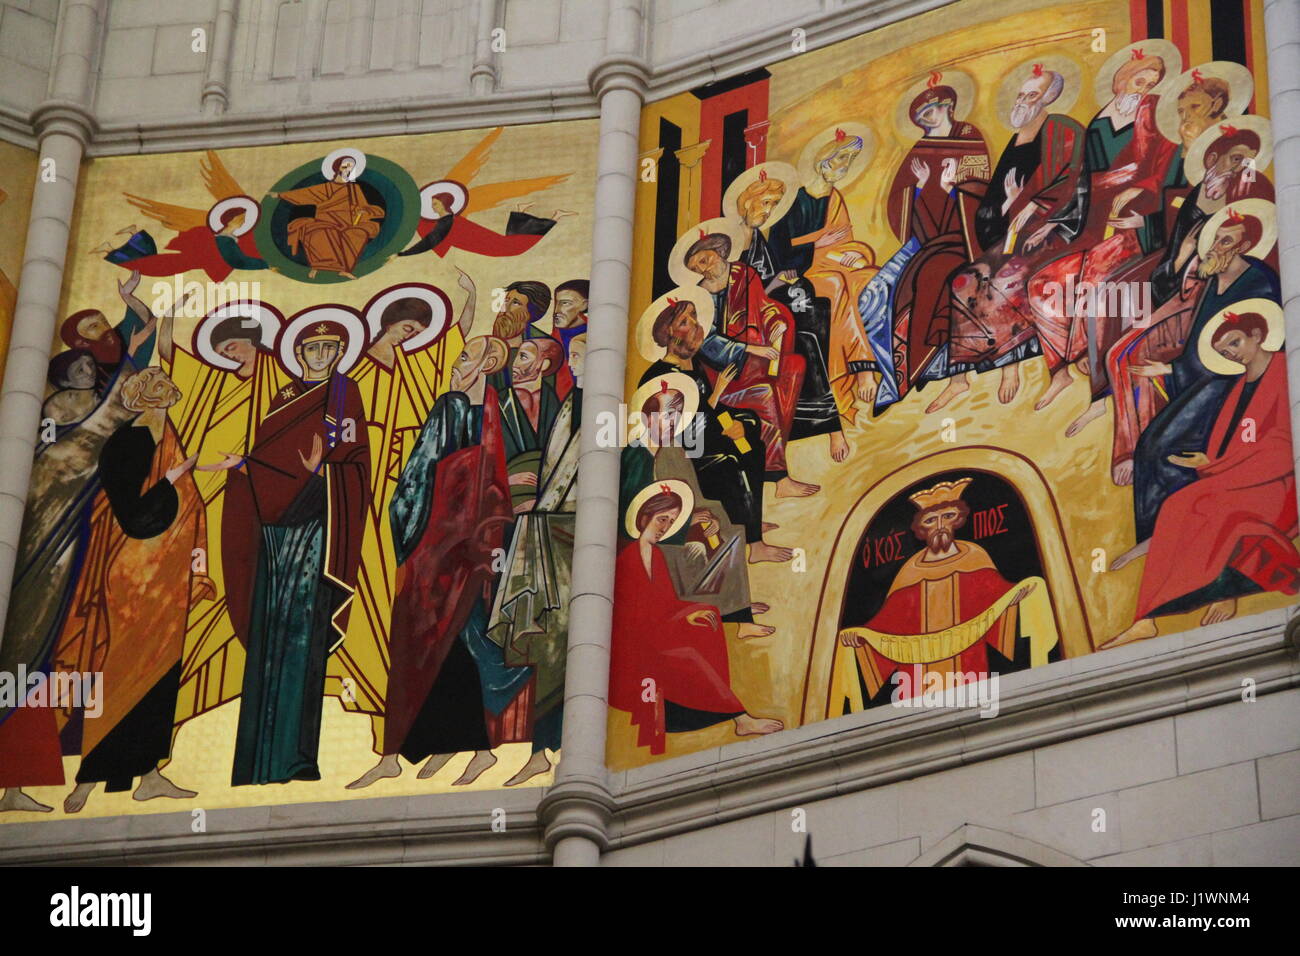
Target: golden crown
941, 493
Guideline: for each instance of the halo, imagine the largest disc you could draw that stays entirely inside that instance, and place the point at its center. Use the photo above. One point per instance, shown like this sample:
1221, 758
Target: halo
1194, 164
1015, 78
698, 297
814, 145
783, 172
267, 316
677, 380
733, 230
1272, 313
438, 302
1164, 49
675, 485
1241, 87
247, 203
459, 196
358, 157
346, 317
961, 82
1261, 209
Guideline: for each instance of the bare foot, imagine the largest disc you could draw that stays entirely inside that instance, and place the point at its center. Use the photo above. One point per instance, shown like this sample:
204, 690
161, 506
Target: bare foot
311, 273
1219, 611
1010, 383
1132, 554
748, 630
1084, 365
769, 526
347, 275
1122, 473
74, 801
747, 724
387, 767
1059, 382
153, 785
1140, 631
15, 799
839, 446
537, 763
758, 607
762, 551
481, 761
433, 765
1092, 413
787, 487
955, 387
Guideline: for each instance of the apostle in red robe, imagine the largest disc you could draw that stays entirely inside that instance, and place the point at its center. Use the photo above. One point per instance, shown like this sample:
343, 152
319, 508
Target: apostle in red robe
1230, 532
668, 667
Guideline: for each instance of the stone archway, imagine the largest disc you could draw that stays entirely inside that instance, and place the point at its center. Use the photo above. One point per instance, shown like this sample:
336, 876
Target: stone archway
1040, 503
971, 845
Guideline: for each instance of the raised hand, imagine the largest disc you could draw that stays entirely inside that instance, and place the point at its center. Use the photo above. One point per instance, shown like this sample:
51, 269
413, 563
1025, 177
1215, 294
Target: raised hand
317, 453
124, 289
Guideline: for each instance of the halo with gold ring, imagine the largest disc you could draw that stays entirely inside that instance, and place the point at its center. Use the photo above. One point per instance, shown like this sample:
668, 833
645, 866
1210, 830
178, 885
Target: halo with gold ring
1272, 313
783, 173
733, 230
673, 485
1070, 69
1241, 87
247, 203
1194, 164
808, 156
341, 314
257, 312
674, 380
962, 83
1168, 53
698, 297
438, 302
357, 157
1261, 209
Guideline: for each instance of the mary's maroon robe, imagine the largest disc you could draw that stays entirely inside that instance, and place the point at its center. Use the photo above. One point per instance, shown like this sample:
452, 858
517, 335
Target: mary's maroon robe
1240, 513
653, 639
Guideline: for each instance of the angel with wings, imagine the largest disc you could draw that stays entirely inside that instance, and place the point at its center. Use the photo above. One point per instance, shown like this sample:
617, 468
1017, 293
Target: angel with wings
445, 205
217, 241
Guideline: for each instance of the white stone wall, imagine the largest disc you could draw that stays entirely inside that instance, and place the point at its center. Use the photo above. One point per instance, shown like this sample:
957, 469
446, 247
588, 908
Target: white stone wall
1215, 787
27, 30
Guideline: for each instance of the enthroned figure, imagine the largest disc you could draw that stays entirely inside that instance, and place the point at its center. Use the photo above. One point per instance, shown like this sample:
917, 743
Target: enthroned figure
336, 234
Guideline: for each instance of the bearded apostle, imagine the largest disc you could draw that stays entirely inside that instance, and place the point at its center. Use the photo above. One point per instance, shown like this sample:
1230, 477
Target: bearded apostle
815, 411
524, 304
343, 222
1195, 392
815, 239
668, 664
448, 514
947, 605
128, 617
1034, 179
1229, 531
529, 407
931, 217
294, 515
755, 335
568, 321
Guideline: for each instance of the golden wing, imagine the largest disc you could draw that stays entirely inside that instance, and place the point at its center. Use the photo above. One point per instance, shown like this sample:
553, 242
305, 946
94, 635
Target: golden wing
217, 178
473, 161
176, 218
493, 194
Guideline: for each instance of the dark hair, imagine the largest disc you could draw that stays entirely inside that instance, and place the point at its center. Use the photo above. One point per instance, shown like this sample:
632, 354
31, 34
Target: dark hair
715, 241
408, 308
654, 505
1238, 137
446, 199
230, 214
1245, 323
1253, 228
963, 510
659, 331
334, 168
537, 294
580, 286
61, 365
1214, 88
550, 352
234, 328
676, 403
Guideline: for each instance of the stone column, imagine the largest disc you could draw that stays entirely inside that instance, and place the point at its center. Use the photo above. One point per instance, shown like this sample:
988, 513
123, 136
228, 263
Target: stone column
483, 77
216, 81
578, 807
1282, 34
63, 128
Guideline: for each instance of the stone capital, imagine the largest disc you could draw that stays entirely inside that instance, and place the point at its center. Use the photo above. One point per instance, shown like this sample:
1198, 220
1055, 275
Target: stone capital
577, 808
619, 72
64, 116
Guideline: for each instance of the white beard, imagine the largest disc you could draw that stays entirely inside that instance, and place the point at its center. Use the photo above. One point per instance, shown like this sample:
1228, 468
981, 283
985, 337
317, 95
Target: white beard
1022, 115
1127, 104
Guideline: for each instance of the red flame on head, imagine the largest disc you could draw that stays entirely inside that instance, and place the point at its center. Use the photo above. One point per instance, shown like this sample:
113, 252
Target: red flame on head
1197, 77
1038, 69
1231, 318
663, 386
1233, 215
935, 77
1227, 130
672, 301
666, 489
1138, 54
762, 175
840, 135
703, 234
